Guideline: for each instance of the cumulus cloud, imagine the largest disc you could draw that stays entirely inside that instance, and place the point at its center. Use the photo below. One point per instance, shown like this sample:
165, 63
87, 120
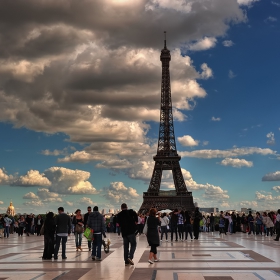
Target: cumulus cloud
34, 203
85, 200
187, 140
248, 204
30, 195
228, 43
271, 138
68, 181
118, 193
32, 178
216, 193
246, 2
274, 176
215, 119
266, 197
1, 202
234, 152
5, 179
206, 71
203, 44
276, 188
236, 162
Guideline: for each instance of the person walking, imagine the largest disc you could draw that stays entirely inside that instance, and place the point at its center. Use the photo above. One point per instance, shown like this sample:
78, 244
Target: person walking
96, 223
196, 222
49, 231
251, 221
127, 220
180, 225
63, 230
212, 222
277, 225
39, 223
28, 222
173, 224
21, 225
164, 221
85, 224
7, 221
153, 223
188, 225
1, 226
78, 229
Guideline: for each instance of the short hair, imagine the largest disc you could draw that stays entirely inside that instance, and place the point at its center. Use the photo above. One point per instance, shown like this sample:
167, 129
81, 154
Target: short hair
89, 207
95, 208
60, 209
152, 212
124, 206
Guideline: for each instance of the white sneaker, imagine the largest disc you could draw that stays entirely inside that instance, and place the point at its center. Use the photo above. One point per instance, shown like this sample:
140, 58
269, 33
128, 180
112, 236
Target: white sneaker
150, 261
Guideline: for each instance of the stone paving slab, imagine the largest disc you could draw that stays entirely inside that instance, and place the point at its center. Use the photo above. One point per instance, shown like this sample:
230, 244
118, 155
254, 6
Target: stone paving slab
212, 257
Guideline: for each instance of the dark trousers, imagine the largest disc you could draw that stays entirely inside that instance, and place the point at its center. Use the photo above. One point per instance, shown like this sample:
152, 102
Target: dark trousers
164, 230
278, 234
181, 231
20, 231
63, 240
154, 249
258, 229
129, 253
89, 244
269, 230
212, 227
188, 229
196, 231
38, 229
96, 245
174, 230
48, 246
251, 228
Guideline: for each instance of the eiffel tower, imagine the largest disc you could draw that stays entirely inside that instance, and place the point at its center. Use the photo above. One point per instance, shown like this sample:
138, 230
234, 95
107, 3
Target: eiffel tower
167, 157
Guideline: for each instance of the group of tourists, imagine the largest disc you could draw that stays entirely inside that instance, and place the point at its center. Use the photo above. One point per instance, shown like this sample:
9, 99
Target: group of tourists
127, 223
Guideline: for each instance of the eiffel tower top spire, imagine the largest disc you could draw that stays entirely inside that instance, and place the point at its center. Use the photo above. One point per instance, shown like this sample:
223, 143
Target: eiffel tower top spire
166, 140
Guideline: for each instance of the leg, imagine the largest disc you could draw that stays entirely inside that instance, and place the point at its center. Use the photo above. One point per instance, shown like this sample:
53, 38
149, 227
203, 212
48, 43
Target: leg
132, 241
64, 240
98, 240
89, 245
161, 233
125, 248
57, 245
80, 239
76, 240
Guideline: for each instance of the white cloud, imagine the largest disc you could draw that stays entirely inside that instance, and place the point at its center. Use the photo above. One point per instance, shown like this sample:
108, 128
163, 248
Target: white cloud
271, 19
249, 204
216, 193
206, 71
215, 119
5, 179
271, 138
266, 197
203, 44
35, 203
235, 152
231, 75
236, 162
205, 143
32, 178
86, 200
69, 203
275, 3
68, 181
246, 2
228, 43
187, 140
274, 176
30, 195
118, 193
276, 188
1, 202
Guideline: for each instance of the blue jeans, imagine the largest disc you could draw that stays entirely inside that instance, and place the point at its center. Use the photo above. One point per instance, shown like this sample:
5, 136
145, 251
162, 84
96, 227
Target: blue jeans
6, 231
96, 246
129, 253
78, 239
63, 240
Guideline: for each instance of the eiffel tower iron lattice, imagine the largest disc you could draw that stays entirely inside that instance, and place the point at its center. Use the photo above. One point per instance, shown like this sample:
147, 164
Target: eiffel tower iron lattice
167, 157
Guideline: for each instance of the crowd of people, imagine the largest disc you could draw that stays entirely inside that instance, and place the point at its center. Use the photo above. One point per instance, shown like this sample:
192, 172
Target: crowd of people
158, 227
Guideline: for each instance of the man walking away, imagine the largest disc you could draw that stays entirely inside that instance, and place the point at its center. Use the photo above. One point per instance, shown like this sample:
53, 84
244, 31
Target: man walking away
212, 222
127, 219
63, 229
96, 223
85, 223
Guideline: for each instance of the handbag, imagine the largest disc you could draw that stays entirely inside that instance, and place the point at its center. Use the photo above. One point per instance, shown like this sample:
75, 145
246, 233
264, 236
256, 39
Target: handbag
79, 229
145, 229
88, 234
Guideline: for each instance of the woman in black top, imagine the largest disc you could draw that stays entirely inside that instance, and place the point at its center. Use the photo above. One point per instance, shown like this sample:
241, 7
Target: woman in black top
49, 230
152, 234
78, 223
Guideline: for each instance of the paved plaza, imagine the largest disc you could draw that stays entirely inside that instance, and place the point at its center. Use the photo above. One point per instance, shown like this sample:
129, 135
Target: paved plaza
212, 257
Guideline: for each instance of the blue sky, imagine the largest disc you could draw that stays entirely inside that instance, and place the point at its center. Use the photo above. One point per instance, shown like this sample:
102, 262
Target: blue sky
79, 102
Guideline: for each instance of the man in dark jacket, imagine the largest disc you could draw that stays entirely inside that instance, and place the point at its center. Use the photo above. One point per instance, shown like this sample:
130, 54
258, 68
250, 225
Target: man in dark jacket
196, 221
127, 219
85, 223
63, 229
96, 223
